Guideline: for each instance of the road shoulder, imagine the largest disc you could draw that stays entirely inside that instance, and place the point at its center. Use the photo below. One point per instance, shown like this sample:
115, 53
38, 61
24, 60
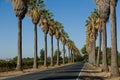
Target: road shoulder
89, 72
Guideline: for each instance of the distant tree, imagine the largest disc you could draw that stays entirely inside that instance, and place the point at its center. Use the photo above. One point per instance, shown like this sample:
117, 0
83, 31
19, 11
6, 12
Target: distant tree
15, 58
78, 58
42, 54
83, 50
55, 55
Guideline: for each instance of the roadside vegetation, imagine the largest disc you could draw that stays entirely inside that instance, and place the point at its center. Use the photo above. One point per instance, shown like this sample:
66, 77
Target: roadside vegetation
10, 64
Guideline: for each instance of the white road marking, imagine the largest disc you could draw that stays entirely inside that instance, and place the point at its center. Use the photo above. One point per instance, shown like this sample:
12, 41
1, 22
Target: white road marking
80, 73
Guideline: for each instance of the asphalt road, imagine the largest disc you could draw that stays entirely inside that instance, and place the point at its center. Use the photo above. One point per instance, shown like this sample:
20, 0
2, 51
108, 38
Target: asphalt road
69, 72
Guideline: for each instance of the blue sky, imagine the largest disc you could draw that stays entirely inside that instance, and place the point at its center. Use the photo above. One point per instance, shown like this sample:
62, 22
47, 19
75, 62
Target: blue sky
71, 13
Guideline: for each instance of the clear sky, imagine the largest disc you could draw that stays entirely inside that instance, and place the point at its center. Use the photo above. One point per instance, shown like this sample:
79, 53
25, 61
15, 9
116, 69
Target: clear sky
71, 13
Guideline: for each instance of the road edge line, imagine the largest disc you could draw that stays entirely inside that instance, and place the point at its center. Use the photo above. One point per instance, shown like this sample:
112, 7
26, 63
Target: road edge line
80, 72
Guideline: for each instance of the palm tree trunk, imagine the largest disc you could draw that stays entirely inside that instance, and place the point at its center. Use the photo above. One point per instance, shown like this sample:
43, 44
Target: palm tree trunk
69, 55
35, 65
90, 53
114, 54
51, 50
73, 57
19, 58
58, 52
104, 37
63, 53
90, 58
93, 53
45, 54
99, 50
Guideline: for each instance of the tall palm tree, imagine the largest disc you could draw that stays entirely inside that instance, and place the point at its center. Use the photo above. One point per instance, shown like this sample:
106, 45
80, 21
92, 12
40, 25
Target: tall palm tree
72, 53
44, 24
73, 47
68, 45
104, 11
99, 24
20, 9
34, 12
88, 43
114, 53
58, 30
64, 37
51, 33
92, 34
75, 50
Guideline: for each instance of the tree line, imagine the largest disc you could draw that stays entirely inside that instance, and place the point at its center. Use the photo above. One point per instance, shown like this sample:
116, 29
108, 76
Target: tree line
96, 26
27, 63
39, 15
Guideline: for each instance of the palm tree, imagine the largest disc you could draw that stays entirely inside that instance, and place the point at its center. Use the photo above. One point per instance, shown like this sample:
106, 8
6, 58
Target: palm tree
114, 53
71, 52
64, 37
92, 34
34, 12
44, 24
104, 10
20, 9
68, 45
51, 32
73, 49
88, 43
58, 30
99, 24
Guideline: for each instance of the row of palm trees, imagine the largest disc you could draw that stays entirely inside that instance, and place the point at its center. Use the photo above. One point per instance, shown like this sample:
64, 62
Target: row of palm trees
38, 15
96, 24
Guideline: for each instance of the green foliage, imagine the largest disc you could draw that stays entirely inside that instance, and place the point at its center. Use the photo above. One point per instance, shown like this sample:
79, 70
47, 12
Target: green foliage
46, 14
36, 3
85, 56
8, 65
78, 58
15, 58
27, 62
83, 50
55, 55
42, 55
119, 59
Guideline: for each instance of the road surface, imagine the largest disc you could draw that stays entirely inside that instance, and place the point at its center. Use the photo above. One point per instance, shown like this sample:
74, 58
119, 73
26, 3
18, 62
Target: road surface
69, 72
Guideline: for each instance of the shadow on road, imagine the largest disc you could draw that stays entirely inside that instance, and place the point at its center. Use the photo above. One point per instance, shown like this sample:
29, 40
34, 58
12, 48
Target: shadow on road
73, 78
60, 78
72, 74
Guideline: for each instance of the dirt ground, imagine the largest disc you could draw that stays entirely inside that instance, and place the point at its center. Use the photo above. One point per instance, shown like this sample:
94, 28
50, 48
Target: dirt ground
90, 72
